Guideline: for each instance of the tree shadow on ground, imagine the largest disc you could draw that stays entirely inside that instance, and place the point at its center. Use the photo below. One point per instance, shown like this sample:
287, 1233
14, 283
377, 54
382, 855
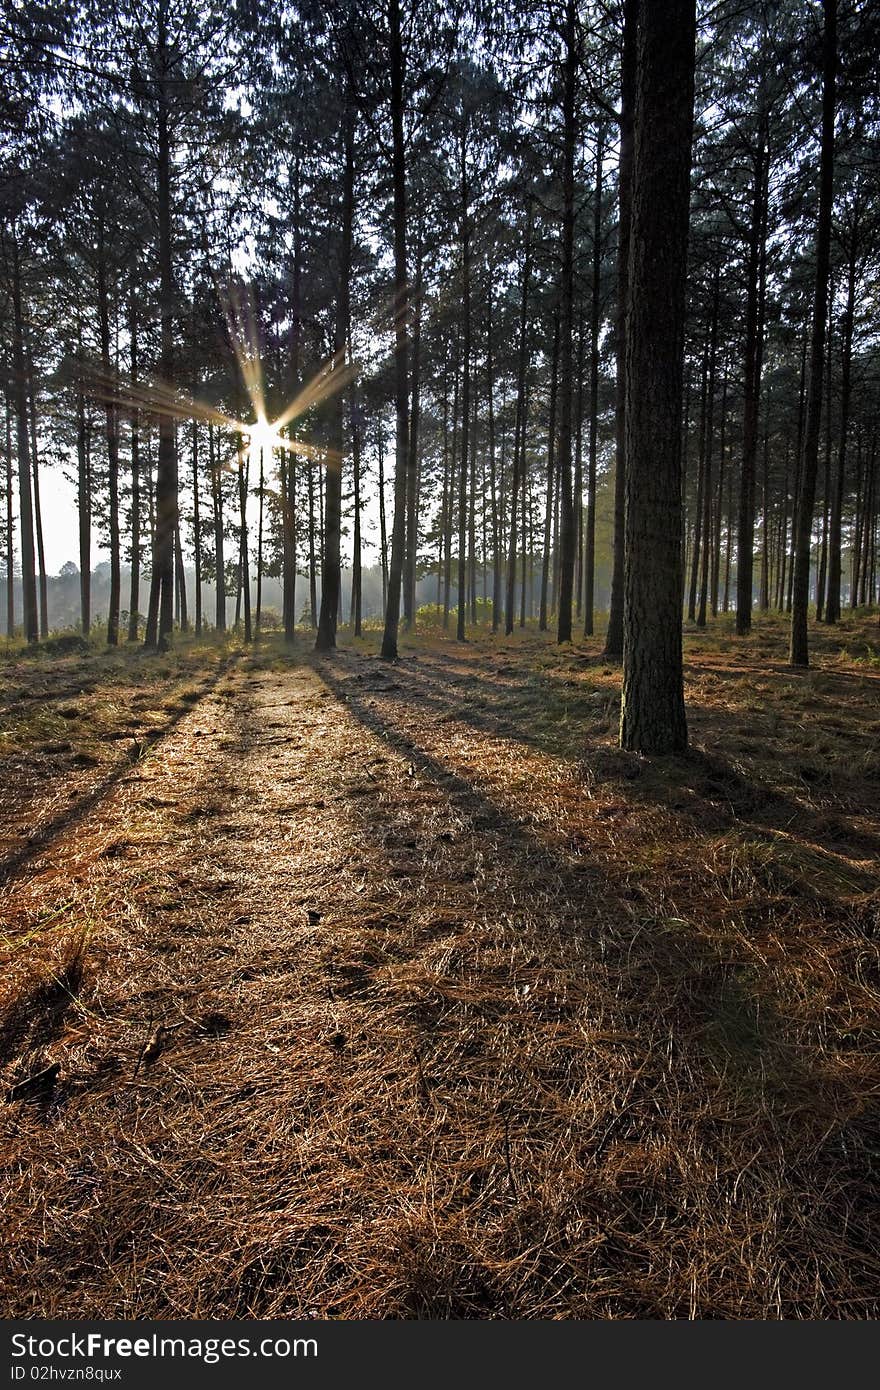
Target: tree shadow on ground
705, 787
708, 1047
43, 836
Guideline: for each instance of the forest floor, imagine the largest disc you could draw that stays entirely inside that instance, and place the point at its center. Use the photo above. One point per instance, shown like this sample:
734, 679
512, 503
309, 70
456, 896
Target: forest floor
338, 990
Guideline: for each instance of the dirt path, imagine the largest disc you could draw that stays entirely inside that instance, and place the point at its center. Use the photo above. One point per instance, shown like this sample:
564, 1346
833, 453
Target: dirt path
359, 1031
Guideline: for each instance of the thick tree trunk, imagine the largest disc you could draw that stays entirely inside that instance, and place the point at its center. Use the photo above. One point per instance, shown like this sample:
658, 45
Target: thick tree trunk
800, 597
652, 711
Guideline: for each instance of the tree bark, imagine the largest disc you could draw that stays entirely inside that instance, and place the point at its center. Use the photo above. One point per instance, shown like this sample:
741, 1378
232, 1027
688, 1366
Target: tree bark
566, 325
652, 711
832, 606
551, 474
519, 429
134, 598
754, 346
330, 562
590, 537
396, 66
25, 495
160, 619
800, 596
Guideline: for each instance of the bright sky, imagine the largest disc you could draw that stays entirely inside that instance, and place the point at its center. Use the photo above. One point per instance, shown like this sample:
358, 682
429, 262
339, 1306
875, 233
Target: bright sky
61, 522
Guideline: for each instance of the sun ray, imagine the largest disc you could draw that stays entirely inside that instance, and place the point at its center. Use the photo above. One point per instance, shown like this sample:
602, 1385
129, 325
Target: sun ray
332, 377
156, 397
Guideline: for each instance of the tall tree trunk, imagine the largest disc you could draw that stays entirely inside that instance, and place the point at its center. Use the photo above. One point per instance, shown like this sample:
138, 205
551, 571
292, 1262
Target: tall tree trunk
197, 527
590, 538
134, 426
832, 606
84, 509
828, 450
25, 496
219, 556
754, 348
719, 496
764, 591
10, 521
330, 562
519, 428
551, 475
412, 476
614, 636
258, 616
701, 488
180, 569
243, 556
288, 464
111, 424
566, 324
652, 710
383, 525
38, 510
800, 598
493, 484
313, 566
464, 459
708, 496
396, 71
160, 618
356, 561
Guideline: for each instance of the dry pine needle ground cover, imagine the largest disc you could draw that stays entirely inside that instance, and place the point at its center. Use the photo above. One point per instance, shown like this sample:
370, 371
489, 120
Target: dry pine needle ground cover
331, 989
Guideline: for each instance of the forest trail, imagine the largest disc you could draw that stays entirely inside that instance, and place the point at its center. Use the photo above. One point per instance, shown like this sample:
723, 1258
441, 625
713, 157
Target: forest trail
366, 1025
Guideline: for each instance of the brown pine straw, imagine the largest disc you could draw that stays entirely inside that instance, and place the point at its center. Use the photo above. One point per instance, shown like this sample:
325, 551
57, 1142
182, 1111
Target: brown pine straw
400, 993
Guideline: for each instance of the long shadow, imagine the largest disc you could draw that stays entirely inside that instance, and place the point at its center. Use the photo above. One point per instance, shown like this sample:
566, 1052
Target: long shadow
587, 902
43, 836
743, 1038
706, 780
